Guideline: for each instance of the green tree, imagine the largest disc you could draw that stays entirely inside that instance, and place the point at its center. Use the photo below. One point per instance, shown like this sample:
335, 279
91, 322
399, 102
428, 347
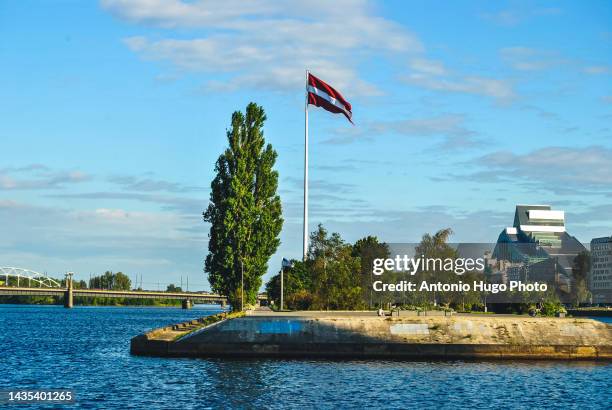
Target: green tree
580, 271
335, 272
297, 283
367, 249
330, 278
122, 282
244, 211
173, 288
436, 248
111, 281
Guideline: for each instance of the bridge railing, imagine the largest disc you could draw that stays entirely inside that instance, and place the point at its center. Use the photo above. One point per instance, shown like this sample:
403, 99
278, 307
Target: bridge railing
19, 274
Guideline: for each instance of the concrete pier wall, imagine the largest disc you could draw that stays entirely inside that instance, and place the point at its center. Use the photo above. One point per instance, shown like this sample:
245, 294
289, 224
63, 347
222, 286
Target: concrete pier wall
396, 337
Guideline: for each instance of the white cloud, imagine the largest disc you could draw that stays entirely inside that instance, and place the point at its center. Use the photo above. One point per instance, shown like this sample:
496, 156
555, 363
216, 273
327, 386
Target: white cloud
433, 75
113, 233
178, 204
161, 245
450, 127
597, 69
176, 13
513, 17
562, 170
499, 89
268, 44
402, 225
146, 184
36, 176
112, 214
531, 59
427, 66
442, 125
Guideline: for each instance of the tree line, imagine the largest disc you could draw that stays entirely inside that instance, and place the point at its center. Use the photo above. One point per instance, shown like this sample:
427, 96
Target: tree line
337, 275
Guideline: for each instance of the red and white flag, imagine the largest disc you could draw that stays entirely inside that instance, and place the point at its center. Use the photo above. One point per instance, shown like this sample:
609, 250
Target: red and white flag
321, 94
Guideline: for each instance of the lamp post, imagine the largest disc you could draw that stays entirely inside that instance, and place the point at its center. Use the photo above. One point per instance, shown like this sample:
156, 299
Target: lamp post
241, 285
68, 300
285, 264
485, 293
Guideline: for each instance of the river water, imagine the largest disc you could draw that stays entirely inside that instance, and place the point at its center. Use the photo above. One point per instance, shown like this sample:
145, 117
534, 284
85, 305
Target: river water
86, 349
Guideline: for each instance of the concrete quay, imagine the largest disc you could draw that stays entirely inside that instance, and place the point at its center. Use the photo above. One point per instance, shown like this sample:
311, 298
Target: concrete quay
360, 335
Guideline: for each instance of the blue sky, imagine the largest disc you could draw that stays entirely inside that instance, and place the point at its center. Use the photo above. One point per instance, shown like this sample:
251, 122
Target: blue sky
114, 112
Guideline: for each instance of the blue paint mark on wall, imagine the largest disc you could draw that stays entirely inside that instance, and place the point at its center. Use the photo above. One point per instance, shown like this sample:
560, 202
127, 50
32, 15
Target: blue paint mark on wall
280, 328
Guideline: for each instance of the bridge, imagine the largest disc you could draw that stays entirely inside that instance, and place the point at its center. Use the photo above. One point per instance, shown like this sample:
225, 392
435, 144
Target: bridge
50, 287
187, 298
29, 276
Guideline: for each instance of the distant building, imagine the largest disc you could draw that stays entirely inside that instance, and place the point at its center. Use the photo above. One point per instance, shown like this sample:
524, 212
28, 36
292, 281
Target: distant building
537, 247
600, 277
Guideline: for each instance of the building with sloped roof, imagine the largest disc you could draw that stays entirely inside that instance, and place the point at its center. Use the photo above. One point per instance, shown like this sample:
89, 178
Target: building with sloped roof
538, 246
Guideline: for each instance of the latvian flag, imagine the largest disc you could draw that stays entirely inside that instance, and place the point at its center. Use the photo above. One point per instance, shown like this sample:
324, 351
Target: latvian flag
321, 94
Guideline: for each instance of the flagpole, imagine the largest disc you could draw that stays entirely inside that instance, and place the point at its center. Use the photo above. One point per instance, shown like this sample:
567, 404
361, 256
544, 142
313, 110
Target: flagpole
305, 243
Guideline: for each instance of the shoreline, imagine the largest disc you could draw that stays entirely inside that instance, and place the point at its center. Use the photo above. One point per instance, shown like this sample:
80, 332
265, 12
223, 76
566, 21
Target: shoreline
107, 306
304, 335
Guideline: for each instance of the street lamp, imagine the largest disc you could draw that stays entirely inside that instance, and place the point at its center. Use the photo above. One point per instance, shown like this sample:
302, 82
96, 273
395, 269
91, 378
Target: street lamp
285, 264
69, 276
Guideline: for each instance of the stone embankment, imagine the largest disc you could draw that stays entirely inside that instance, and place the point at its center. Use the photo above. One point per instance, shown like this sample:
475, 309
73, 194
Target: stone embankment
345, 335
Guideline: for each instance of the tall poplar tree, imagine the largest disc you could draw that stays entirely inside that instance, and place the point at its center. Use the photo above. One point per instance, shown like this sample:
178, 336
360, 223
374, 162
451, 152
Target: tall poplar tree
244, 211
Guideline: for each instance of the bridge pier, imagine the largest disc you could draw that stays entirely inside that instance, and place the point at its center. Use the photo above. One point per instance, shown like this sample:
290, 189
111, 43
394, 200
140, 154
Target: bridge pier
68, 297
186, 304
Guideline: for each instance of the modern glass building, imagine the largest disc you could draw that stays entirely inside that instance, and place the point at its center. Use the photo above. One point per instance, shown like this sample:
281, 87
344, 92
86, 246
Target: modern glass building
537, 247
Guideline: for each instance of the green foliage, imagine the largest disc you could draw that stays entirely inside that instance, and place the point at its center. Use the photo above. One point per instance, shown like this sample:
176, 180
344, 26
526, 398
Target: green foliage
337, 275
172, 288
244, 211
580, 270
297, 284
330, 278
367, 249
26, 283
436, 246
32, 300
581, 265
548, 305
87, 301
101, 301
551, 308
81, 284
335, 272
111, 281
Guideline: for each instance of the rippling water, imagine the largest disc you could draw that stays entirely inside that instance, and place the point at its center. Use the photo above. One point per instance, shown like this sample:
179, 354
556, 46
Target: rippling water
87, 350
